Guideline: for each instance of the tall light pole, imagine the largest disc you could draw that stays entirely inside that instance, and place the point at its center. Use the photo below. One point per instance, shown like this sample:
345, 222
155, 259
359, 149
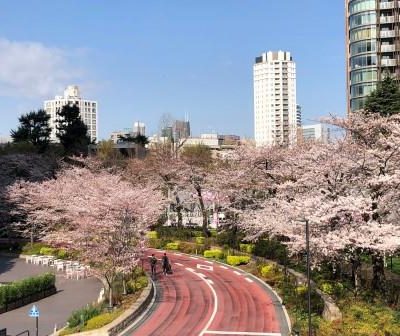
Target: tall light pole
308, 275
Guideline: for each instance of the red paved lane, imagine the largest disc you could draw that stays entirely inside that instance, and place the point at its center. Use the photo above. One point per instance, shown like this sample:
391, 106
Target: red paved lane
205, 298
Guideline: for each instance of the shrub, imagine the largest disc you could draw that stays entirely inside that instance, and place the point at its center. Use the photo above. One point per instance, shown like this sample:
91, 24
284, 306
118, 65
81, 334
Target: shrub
139, 283
327, 288
62, 254
83, 315
267, 270
237, 260
47, 251
218, 254
213, 232
172, 246
32, 249
24, 288
155, 243
101, 320
301, 290
271, 249
152, 235
200, 240
197, 233
246, 248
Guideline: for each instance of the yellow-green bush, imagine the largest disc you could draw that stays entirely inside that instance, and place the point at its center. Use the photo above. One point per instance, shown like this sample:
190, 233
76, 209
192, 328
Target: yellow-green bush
172, 246
101, 320
200, 240
302, 289
267, 270
363, 319
152, 235
237, 260
139, 283
327, 288
246, 248
48, 251
218, 254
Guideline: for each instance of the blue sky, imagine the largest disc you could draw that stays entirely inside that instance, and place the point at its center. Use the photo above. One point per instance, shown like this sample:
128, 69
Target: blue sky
142, 59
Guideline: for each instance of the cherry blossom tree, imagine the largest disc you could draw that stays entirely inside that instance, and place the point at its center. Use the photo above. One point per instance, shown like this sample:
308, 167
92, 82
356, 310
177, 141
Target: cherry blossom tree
346, 190
98, 214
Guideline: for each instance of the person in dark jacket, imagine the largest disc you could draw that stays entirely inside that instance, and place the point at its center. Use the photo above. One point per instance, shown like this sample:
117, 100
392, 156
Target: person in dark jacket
153, 263
165, 264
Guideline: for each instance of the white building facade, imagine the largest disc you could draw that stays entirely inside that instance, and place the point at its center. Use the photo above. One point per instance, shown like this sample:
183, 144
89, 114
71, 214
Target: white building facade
316, 132
88, 110
275, 109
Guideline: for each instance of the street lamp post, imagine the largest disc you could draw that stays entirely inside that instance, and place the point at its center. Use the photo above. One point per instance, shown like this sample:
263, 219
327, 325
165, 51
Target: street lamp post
308, 275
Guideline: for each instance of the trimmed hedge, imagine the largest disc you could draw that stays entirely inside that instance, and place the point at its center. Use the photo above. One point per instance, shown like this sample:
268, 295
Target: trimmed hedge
25, 289
218, 254
237, 260
172, 246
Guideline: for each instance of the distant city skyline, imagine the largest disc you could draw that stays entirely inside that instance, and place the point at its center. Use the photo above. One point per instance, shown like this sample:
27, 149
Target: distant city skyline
163, 57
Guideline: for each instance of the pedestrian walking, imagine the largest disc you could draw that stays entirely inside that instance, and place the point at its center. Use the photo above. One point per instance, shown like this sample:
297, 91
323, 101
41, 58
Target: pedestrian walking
153, 263
165, 264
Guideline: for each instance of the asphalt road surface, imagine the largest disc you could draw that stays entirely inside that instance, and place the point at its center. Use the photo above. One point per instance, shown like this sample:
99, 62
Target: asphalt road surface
203, 297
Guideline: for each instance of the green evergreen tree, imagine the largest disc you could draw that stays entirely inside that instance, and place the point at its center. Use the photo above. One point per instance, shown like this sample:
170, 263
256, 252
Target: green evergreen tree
385, 100
72, 131
34, 128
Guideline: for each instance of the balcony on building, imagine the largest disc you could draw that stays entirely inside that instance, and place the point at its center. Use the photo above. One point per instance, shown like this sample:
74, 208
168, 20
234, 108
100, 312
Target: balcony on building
387, 33
387, 5
388, 48
386, 19
388, 62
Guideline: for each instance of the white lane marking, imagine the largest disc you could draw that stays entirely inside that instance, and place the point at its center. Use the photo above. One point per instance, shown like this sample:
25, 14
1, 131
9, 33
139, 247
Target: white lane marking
194, 258
220, 332
209, 262
224, 267
215, 303
178, 254
190, 269
179, 264
236, 272
202, 275
205, 267
210, 281
248, 280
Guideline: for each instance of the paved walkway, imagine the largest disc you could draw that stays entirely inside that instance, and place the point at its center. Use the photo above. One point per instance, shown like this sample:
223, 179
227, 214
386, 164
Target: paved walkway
55, 309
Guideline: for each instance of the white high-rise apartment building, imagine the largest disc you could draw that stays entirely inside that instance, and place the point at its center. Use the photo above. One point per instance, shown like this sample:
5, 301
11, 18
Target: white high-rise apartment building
275, 109
87, 108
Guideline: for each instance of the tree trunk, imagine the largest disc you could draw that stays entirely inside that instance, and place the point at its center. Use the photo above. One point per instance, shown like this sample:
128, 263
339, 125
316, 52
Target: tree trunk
124, 286
179, 211
378, 269
355, 269
110, 296
203, 211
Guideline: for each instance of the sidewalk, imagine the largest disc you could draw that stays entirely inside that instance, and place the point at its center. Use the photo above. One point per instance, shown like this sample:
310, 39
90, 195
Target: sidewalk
71, 295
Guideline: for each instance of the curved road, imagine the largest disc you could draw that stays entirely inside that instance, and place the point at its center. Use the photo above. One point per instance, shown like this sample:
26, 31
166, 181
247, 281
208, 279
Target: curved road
206, 298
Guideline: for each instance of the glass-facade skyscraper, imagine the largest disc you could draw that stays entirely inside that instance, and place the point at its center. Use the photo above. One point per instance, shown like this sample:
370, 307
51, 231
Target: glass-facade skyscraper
372, 46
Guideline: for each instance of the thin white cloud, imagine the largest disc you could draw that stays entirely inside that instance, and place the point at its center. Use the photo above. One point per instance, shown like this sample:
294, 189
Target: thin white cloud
32, 70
